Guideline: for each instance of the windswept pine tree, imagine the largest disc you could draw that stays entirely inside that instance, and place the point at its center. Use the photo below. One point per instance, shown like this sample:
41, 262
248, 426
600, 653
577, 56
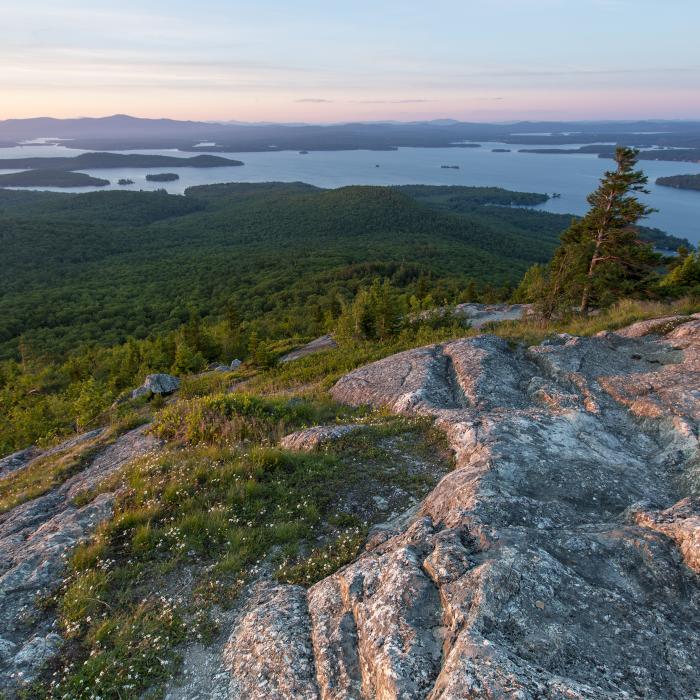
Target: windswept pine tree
601, 257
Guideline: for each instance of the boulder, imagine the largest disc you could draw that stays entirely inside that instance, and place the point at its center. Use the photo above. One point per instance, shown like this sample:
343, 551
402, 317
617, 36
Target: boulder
312, 438
216, 367
325, 342
162, 384
235, 364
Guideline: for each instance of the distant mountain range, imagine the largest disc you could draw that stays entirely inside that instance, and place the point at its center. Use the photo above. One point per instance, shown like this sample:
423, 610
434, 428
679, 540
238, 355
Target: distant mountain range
122, 132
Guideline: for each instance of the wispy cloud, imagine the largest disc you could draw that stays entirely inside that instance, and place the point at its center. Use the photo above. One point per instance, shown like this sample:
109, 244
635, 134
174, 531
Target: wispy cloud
389, 102
314, 100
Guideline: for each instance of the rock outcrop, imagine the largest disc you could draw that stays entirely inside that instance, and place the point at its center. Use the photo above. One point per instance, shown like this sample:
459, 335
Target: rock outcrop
479, 315
317, 436
163, 384
325, 342
217, 367
35, 540
558, 560
25, 458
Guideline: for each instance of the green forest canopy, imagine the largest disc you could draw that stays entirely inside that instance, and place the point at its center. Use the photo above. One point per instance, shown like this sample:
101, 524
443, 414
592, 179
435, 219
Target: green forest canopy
103, 266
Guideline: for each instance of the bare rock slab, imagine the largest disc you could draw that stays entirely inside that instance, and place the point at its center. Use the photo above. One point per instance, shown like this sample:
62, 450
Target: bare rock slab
270, 653
322, 344
36, 539
531, 570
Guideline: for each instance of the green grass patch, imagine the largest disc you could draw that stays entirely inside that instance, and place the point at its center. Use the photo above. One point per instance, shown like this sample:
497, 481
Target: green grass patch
211, 510
231, 419
624, 313
209, 383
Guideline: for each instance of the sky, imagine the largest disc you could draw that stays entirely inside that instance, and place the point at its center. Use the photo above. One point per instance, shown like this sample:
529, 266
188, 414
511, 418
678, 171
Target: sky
337, 60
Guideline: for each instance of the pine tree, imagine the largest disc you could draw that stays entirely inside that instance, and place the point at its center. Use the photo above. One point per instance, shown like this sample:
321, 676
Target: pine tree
685, 275
376, 313
192, 331
601, 258
233, 344
187, 358
532, 286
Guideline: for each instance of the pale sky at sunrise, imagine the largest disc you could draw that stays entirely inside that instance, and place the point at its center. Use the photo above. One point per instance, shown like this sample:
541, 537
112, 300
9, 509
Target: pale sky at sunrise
322, 61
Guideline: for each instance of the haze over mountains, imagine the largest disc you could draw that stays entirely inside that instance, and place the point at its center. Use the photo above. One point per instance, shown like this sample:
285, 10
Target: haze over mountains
126, 132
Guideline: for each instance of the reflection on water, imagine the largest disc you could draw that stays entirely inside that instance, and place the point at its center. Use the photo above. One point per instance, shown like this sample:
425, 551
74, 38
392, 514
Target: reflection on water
572, 176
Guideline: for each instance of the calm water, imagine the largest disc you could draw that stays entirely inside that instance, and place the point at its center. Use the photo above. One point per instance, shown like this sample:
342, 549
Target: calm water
573, 176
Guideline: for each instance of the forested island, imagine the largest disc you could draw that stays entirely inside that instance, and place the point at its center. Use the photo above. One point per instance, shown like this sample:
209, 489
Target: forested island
681, 182
691, 155
118, 160
593, 148
51, 178
459, 198
125, 181
162, 177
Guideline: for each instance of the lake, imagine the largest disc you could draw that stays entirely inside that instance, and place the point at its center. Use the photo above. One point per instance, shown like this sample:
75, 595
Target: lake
573, 176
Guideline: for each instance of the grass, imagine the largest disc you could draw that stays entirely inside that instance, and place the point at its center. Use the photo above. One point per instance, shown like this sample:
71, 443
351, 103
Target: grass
230, 419
209, 383
202, 508
195, 522
323, 561
624, 313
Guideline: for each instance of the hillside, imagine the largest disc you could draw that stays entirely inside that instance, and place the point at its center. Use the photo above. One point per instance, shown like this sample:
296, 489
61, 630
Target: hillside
122, 132
478, 515
103, 266
107, 265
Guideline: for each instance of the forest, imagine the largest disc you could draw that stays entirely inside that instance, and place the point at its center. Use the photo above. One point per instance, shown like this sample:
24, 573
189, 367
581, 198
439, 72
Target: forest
101, 288
104, 266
